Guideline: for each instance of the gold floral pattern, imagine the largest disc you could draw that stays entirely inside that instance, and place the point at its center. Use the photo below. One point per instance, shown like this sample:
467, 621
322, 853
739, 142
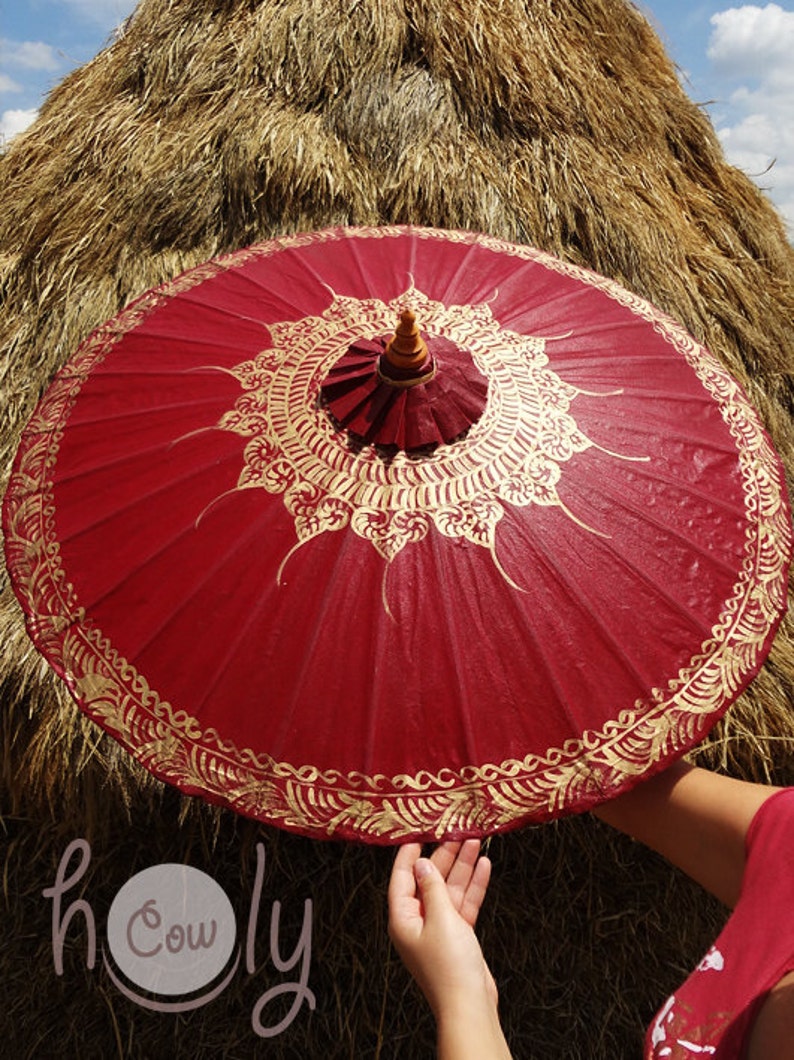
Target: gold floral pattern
512, 455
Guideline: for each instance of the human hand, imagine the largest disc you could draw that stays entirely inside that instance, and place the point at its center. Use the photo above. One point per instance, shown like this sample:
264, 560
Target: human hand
433, 907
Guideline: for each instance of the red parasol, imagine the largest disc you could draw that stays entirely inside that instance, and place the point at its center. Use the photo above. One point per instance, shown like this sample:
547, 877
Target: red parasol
504, 591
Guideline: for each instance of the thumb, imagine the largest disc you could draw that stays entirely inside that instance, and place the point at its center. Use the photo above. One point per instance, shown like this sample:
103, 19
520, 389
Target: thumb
431, 886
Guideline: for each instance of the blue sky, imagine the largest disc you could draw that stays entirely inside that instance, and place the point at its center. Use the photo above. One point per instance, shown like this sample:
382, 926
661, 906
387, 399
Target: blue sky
735, 57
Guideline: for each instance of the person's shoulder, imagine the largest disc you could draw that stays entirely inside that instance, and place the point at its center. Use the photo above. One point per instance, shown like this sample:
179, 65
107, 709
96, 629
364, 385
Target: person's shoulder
774, 812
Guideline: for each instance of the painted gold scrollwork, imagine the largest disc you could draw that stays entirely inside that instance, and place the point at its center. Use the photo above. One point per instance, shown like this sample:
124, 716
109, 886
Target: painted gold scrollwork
474, 520
389, 532
514, 455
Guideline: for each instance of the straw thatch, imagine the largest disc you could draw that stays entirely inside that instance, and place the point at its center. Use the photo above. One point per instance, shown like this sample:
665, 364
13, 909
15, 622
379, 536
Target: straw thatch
213, 123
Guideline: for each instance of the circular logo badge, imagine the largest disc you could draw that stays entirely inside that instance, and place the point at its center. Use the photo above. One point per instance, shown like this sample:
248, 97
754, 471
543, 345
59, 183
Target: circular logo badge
171, 929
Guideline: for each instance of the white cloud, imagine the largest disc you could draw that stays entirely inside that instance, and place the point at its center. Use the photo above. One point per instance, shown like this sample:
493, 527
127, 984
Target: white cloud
7, 84
15, 121
752, 41
751, 49
30, 55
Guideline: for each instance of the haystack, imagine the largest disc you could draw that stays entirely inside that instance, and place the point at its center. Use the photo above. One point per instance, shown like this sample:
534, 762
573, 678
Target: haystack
210, 124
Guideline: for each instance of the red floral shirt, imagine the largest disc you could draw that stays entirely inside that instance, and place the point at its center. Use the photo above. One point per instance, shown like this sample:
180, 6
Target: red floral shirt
711, 1014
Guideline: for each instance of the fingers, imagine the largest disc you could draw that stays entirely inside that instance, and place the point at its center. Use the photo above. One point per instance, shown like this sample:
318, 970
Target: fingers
443, 857
475, 891
459, 866
461, 872
403, 883
404, 908
453, 856
433, 889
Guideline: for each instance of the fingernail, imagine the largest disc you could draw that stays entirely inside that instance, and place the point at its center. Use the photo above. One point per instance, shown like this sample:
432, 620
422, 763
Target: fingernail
422, 868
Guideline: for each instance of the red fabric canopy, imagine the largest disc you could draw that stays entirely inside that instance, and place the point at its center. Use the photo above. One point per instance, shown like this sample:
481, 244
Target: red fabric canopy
516, 624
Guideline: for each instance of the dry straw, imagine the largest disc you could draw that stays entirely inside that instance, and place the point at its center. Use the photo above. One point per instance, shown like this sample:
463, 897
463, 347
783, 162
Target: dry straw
209, 124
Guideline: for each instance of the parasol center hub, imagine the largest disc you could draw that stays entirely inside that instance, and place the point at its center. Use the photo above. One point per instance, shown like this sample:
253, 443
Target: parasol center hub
411, 392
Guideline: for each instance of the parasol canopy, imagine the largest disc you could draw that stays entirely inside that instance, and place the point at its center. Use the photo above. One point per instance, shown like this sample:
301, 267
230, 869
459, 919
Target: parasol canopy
398, 533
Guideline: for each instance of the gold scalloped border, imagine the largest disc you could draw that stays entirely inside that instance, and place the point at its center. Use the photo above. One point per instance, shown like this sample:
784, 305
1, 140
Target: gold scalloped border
476, 799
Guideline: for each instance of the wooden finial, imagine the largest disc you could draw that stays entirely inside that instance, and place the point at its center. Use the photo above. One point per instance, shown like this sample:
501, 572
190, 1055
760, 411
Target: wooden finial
407, 348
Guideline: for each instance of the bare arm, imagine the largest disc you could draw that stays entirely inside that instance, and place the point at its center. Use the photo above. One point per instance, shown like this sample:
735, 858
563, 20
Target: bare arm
697, 819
